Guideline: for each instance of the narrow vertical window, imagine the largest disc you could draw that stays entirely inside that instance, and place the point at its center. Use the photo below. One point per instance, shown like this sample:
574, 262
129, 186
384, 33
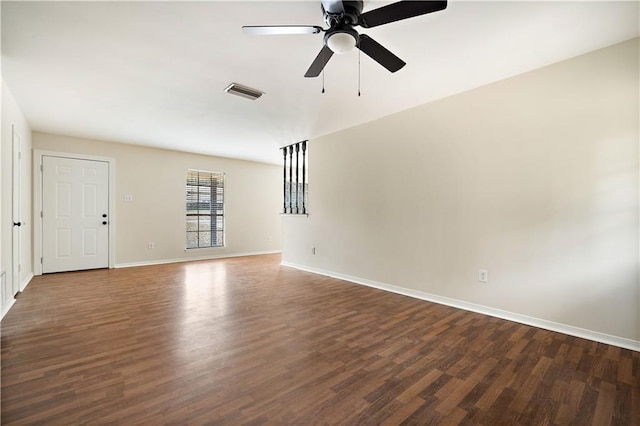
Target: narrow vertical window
205, 209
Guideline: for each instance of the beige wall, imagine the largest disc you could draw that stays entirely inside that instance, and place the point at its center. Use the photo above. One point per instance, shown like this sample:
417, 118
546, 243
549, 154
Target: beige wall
156, 179
534, 178
12, 116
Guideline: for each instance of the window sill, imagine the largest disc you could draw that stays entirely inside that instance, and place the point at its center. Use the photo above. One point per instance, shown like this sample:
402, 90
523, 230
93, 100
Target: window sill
186, 250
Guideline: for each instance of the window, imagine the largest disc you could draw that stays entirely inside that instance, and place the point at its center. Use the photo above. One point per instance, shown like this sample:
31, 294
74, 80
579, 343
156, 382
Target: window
205, 209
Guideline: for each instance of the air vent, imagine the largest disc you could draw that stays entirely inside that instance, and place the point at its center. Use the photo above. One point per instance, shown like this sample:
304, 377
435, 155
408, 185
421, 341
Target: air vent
243, 91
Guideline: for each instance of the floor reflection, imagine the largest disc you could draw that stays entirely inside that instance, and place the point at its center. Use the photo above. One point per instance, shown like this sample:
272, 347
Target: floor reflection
205, 300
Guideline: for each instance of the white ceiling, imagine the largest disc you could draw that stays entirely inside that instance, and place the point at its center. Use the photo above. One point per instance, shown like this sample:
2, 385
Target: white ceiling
153, 73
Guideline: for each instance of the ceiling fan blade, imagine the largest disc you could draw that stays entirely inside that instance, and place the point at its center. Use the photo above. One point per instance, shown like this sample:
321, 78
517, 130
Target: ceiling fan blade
399, 11
318, 64
333, 6
380, 54
281, 29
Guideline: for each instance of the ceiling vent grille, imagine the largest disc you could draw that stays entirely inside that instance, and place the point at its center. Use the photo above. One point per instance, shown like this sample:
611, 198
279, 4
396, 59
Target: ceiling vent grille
243, 91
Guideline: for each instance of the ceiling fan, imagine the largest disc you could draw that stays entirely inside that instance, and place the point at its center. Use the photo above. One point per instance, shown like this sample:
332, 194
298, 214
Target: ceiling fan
341, 36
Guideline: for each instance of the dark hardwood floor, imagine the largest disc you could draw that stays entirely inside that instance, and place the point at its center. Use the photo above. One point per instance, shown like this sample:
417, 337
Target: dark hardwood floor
244, 340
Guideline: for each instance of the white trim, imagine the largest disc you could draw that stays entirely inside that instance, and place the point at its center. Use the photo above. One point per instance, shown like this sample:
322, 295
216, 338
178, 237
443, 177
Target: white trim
596, 336
189, 259
37, 203
26, 282
16, 209
6, 308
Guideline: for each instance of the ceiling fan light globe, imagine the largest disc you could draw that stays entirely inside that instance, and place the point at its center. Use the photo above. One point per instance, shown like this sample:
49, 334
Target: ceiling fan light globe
340, 42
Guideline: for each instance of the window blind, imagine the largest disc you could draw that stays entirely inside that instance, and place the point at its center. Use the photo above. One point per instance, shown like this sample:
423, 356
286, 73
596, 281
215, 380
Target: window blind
205, 209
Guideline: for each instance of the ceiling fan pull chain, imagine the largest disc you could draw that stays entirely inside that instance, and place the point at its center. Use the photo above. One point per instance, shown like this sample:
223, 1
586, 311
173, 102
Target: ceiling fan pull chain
358, 72
323, 54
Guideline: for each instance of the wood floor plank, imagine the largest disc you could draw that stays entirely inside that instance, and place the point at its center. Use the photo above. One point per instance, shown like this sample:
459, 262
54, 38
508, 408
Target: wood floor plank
247, 341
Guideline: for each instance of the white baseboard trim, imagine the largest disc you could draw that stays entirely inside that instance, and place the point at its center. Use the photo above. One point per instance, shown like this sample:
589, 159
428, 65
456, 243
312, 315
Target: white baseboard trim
6, 308
596, 336
189, 259
26, 282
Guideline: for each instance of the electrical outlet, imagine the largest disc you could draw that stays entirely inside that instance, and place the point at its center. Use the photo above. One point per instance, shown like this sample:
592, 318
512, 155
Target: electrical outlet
483, 276
150, 246
313, 250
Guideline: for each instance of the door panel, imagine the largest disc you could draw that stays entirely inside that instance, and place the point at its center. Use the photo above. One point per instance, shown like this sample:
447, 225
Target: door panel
63, 198
90, 200
63, 246
90, 242
75, 195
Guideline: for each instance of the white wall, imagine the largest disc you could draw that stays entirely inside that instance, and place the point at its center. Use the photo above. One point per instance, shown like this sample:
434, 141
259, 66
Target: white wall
12, 116
156, 179
534, 178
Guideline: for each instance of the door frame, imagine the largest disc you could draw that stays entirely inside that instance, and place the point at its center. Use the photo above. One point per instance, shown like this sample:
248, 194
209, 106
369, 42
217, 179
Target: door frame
16, 211
37, 203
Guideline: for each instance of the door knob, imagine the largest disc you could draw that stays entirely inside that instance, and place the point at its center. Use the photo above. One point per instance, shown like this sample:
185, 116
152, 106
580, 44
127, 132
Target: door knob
104, 215
104, 222
17, 223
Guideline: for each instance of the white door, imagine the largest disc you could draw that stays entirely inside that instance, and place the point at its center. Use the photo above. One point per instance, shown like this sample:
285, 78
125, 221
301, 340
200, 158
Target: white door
75, 207
16, 201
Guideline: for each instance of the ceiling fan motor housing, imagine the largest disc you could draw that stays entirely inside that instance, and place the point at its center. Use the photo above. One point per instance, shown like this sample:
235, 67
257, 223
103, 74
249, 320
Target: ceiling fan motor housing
341, 37
352, 11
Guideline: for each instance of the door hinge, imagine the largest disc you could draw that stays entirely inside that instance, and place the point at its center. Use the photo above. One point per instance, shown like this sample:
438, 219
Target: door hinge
40, 167
20, 156
40, 260
41, 213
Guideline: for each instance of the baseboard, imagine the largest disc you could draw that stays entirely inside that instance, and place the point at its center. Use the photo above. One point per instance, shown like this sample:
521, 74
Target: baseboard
596, 336
26, 282
189, 259
6, 308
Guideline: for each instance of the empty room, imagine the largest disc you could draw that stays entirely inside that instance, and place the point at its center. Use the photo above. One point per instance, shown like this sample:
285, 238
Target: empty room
320, 212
